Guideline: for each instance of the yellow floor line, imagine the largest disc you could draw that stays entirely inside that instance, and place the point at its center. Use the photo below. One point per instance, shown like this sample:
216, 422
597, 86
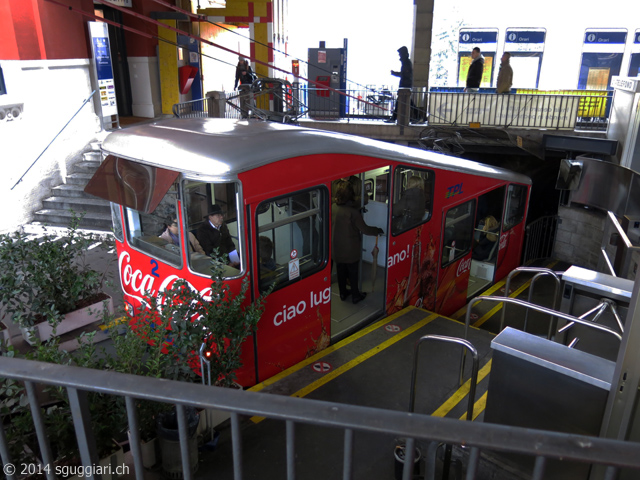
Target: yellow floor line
115, 322
328, 350
494, 288
478, 408
498, 307
358, 360
462, 392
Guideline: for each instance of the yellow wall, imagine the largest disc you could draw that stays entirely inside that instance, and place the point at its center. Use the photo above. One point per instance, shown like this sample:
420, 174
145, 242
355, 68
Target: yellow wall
168, 66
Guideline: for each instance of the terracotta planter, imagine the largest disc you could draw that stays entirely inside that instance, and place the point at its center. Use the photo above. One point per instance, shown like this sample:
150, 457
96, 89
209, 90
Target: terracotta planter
71, 321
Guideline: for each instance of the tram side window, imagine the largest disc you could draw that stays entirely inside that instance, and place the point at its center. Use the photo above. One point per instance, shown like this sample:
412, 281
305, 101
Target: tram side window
458, 231
412, 198
116, 220
516, 201
208, 232
294, 222
148, 231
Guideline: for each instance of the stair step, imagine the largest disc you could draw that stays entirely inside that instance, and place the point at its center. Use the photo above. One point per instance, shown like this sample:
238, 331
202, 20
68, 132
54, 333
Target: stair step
92, 156
77, 204
61, 218
68, 190
86, 166
79, 178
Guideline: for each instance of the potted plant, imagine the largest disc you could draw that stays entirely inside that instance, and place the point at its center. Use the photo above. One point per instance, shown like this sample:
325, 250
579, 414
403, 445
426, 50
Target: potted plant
141, 350
220, 324
45, 284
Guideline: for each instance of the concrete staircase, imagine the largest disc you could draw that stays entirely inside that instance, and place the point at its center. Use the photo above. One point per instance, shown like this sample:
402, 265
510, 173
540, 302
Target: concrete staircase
70, 196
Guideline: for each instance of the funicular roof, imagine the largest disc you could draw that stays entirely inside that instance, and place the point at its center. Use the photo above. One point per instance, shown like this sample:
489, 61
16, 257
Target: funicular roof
215, 147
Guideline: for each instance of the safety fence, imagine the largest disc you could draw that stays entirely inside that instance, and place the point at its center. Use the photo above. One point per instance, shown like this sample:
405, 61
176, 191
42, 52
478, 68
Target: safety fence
278, 100
540, 238
541, 446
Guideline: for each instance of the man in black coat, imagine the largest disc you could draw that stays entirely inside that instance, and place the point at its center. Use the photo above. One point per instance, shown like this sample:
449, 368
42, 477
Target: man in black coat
213, 233
474, 75
406, 78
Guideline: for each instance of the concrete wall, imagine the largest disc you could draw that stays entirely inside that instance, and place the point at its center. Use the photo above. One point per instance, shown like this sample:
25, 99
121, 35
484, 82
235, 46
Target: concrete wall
51, 91
579, 236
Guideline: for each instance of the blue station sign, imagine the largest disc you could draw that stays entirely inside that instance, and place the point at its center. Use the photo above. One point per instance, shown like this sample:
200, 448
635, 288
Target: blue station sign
605, 37
477, 37
525, 36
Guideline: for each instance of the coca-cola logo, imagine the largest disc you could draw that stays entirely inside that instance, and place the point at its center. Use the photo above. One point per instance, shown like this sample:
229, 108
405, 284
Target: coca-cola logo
503, 240
463, 266
134, 281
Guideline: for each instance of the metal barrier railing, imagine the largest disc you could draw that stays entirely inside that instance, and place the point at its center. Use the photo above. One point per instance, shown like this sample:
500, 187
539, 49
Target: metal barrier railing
433, 447
588, 110
615, 236
191, 109
539, 273
537, 308
78, 382
540, 238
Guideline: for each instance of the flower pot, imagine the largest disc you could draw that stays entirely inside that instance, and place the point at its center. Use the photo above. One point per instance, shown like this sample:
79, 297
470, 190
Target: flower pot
169, 440
148, 449
111, 467
71, 321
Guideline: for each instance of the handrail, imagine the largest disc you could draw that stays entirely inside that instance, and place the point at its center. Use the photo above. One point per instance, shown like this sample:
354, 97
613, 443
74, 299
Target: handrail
553, 303
474, 370
538, 308
78, 381
409, 450
540, 271
54, 139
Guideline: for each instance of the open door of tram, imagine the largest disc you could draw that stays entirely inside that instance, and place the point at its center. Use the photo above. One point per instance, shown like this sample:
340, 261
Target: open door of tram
372, 197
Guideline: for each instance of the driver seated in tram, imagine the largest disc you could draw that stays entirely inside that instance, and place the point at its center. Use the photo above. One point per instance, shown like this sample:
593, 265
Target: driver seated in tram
171, 235
214, 233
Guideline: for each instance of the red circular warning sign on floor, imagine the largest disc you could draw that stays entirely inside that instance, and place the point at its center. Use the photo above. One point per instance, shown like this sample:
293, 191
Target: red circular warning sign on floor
321, 367
473, 316
392, 328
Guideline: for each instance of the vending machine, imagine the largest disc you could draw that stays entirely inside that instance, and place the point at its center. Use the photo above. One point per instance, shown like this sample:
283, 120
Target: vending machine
327, 76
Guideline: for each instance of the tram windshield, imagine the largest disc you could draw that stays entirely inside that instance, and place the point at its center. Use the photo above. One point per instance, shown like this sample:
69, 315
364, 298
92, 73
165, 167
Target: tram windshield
212, 223
151, 232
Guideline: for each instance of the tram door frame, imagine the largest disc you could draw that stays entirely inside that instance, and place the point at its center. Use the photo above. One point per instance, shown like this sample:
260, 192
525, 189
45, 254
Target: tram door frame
297, 316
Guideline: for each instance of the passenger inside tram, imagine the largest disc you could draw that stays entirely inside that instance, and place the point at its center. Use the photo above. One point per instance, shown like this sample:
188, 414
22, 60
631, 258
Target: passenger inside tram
486, 237
171, 234
265, 254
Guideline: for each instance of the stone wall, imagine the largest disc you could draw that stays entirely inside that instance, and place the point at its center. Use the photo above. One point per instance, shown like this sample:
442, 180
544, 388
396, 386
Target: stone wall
579, 236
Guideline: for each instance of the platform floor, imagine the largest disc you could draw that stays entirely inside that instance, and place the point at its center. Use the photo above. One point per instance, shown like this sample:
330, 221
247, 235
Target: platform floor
373, 368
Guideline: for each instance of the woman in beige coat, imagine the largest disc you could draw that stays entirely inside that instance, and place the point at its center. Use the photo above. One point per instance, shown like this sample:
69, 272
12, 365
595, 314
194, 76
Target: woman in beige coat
347, 228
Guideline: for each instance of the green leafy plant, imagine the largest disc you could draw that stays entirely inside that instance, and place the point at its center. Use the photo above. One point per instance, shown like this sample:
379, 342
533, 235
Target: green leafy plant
219, 319
43, 278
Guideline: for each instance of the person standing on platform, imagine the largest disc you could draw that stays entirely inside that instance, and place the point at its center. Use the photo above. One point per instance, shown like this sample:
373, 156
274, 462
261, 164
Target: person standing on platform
406, 77
505, 75
347, 228
244, 74
474, 75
